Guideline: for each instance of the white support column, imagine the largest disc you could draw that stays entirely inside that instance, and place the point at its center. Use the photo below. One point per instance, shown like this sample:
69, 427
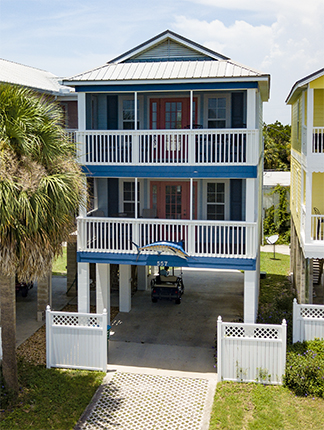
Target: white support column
191, 109
82, 111
251, 200
124, 288
251, 109
142, 278
310, 119
250, 295
83, 287
136, 198
103, 289
308, 205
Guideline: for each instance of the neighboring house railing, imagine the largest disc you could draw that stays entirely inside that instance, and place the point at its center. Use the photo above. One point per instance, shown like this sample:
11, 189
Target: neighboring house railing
318, 140
308, 322
251, 352
317, 231
234, 239
71, 132
160, 147
76, 340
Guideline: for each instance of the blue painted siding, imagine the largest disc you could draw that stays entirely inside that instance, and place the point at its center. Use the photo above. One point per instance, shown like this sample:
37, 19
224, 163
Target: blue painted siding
196, 172
152, 260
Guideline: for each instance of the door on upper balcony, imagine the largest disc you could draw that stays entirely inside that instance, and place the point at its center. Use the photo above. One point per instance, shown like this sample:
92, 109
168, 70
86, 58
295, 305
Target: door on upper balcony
171, 200
171, 114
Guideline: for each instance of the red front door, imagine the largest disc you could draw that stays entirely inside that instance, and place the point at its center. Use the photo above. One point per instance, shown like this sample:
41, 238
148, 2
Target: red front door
172, 199
171, 113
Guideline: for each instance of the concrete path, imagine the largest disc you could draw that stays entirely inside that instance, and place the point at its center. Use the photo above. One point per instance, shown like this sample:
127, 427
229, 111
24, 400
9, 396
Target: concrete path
280, 249
161, 372
26, 308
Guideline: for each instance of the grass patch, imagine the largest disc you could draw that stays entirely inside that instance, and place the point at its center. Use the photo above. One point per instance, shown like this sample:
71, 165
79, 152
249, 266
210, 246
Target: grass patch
276, 293
48, 398
59, 265
255, 406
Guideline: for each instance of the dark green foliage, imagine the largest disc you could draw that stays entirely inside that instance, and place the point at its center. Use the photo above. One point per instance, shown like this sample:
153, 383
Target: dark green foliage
277, 146
305, 368
277, 218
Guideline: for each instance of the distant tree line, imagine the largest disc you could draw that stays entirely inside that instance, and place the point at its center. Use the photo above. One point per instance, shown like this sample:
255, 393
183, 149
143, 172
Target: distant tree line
277, 146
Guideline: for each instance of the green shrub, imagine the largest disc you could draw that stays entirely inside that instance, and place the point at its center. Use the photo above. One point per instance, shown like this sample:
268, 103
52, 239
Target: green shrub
305, 368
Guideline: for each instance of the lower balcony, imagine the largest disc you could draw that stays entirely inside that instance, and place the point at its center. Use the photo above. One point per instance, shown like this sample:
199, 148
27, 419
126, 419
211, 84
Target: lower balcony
217, 239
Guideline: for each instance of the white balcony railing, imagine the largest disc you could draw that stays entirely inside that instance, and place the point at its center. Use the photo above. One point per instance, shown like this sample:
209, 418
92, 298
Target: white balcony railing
317, 227
160, 147
231, 239
318, 140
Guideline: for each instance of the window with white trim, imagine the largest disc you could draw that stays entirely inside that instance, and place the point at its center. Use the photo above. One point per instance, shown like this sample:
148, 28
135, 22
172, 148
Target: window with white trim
129, 198
215, 200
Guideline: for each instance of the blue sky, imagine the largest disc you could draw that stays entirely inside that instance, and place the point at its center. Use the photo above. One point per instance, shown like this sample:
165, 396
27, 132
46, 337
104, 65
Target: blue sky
282, 37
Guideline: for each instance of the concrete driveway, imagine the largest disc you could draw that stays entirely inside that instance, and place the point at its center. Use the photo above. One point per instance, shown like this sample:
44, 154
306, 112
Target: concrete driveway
177, 337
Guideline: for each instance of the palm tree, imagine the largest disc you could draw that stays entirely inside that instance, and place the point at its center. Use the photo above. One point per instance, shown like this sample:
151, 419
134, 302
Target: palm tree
41, 188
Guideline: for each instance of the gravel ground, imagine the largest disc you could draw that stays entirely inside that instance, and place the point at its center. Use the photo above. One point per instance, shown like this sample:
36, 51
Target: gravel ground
34, 348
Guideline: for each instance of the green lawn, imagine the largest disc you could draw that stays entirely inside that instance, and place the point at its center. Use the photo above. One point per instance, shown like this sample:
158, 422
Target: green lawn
48, 398
254, 406
258, 407
59, 265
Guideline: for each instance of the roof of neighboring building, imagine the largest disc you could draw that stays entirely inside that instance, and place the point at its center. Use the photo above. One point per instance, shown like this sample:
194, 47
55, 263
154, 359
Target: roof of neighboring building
172, 58
301, 84
273, 178
36, 79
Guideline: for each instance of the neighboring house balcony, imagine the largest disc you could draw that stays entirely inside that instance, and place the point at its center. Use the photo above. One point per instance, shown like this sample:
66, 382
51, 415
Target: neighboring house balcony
197, 147
315, 139
312, 233
201, 238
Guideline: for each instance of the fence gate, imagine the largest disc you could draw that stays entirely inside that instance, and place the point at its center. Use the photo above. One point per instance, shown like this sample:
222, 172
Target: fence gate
308, 322
251, 352
76, 340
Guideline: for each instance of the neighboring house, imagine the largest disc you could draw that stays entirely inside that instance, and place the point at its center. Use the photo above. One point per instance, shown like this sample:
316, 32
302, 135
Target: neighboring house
307, 183
43, 83
271, 179
170, 135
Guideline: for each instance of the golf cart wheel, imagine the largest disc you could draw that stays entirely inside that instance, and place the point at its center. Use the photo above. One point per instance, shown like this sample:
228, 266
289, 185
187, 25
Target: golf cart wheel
154, 300
24, 291
178, 301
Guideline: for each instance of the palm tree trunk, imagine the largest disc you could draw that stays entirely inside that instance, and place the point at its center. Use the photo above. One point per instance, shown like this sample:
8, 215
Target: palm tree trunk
8, 322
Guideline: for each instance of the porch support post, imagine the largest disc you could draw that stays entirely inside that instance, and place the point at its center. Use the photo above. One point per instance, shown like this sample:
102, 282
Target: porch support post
136, 198
310, 120
251, 109
81, 111
84, 287
191, 199
250, 296
142, 278
191, 109
124, 288
103, 289
135, 146
308, 205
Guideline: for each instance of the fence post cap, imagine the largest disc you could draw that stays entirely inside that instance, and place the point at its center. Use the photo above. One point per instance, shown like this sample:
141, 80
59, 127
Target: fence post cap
104, 311
48, 308
284, 322
295, 300
219, 319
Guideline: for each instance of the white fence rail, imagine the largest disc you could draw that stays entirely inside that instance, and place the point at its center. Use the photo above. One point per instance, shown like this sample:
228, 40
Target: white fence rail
308, 322
231, 239
160, 147
251, 352
76, 340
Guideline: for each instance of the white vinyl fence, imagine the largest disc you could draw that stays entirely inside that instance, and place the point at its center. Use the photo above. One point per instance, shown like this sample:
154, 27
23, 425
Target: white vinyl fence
308, 322
76, 340
251, 352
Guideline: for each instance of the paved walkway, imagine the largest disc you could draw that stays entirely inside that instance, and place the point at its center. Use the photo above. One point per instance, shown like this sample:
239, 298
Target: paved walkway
147, 399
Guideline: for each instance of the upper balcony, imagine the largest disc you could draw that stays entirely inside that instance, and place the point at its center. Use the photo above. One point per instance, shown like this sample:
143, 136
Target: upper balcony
205, 147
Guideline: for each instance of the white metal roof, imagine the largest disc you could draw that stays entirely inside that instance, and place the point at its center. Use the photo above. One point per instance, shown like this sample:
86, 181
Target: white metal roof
166, 70
40, 80
273, 178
